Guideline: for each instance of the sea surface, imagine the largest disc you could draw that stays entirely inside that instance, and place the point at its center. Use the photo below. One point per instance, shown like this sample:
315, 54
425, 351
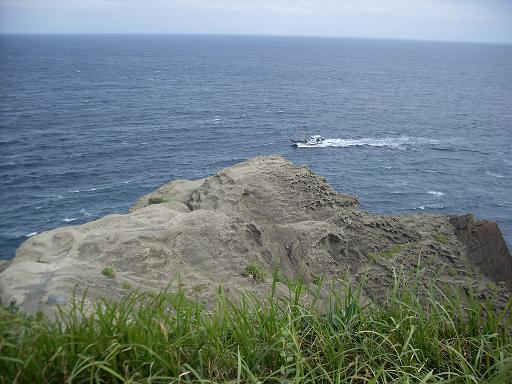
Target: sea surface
90, 123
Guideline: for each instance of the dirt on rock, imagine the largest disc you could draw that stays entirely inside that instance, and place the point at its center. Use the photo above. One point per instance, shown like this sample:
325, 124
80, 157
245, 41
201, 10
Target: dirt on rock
266, 211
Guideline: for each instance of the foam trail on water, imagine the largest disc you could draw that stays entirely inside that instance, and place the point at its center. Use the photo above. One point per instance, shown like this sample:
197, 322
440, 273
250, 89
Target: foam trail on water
496, 175
393, 142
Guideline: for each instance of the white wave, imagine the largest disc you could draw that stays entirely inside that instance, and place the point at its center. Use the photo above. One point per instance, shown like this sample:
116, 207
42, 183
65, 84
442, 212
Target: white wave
31, 234
435, 193
431, 206
85, 213
392, 142
74, 191
92, 189
51, 196
69, 220
496, 175
39, 207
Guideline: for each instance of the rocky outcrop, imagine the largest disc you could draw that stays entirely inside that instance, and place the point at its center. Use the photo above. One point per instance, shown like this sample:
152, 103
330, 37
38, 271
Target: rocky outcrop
204, 233
485, 247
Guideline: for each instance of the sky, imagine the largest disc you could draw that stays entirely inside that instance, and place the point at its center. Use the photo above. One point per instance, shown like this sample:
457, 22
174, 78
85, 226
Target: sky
447, 20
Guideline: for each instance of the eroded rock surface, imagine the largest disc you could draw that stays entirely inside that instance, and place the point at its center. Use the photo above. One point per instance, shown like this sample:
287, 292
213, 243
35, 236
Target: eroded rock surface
203, 233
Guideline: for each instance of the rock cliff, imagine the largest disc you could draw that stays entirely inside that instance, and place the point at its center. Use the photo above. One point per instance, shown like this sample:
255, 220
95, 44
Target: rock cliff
265, 211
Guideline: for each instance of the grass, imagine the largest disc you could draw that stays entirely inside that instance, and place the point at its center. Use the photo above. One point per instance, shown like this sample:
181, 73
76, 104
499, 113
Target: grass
256, 271
108, 272
290, 282
126, 285
156, 200
387, 254
170, 338
441, 238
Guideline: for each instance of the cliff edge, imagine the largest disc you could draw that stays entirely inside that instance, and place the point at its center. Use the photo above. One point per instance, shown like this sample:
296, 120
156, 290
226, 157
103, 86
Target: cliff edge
264, 211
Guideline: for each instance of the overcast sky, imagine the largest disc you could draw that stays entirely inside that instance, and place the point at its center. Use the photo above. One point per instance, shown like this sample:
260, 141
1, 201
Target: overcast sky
453, 20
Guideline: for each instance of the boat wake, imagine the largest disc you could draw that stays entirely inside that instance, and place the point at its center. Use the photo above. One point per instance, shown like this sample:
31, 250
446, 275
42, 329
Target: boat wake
392, 142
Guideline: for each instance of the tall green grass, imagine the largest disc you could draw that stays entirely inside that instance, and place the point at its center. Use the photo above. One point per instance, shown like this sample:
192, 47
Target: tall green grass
170, 338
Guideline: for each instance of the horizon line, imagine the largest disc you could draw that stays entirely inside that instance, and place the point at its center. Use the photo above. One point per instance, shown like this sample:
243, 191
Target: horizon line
264, 35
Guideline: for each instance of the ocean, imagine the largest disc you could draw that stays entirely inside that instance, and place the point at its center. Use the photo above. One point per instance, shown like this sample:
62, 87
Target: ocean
89, 123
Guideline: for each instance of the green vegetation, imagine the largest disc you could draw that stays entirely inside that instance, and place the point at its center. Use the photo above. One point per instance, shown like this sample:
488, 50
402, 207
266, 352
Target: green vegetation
281, 277
255, 271
387, 254
317, 280
170, 338
441, 238
108, 272
156, 200
491, 285
127, 285
291, 282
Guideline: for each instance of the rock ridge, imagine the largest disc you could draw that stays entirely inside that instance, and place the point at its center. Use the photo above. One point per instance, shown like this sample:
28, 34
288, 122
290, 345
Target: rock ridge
265, 210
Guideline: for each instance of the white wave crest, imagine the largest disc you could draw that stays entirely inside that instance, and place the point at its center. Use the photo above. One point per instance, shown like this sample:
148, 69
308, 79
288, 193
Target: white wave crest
496, 175
431, 206
435, 193
392, 142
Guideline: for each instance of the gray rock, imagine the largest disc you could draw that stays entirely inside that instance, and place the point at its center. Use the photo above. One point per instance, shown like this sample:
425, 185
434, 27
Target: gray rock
4, 264
264, 210
57, 300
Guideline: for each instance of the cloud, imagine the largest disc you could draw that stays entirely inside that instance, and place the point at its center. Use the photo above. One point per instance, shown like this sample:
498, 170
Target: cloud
423, 19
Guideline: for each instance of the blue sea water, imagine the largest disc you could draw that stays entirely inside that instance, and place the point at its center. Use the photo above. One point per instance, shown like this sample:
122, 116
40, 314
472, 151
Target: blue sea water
90, 123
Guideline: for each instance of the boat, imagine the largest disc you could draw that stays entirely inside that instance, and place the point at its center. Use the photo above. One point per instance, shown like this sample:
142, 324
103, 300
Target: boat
311, 140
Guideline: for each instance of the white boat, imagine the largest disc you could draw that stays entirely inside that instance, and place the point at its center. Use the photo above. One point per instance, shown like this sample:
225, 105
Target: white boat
311, 140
